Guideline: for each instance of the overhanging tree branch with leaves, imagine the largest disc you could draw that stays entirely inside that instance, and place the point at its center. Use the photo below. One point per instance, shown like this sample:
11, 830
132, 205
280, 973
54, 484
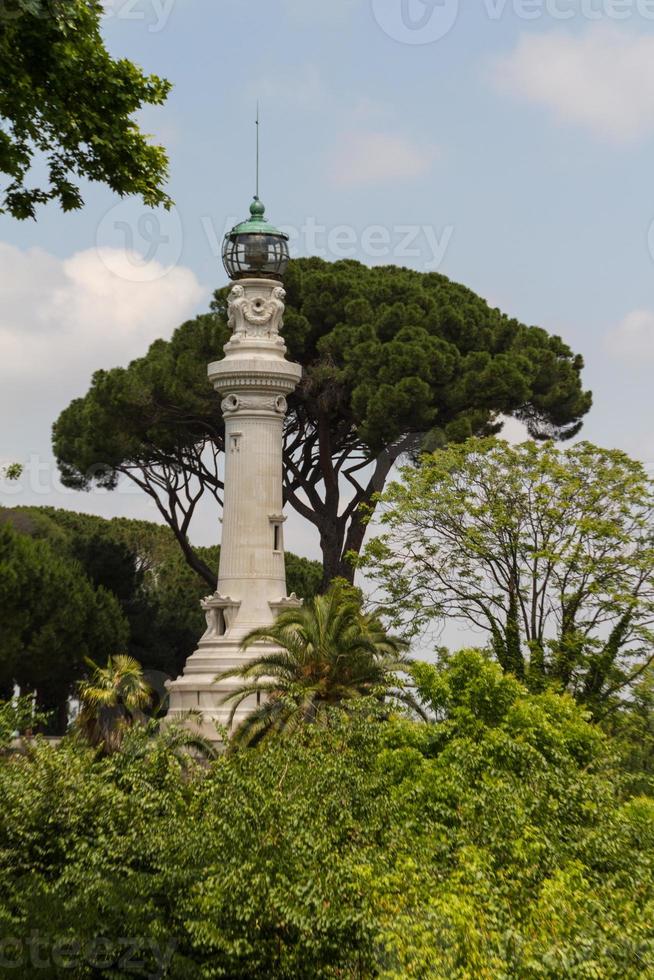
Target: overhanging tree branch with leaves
64, 97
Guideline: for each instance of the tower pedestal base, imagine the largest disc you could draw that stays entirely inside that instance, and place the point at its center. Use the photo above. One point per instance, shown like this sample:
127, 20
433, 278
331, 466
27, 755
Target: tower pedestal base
197, 690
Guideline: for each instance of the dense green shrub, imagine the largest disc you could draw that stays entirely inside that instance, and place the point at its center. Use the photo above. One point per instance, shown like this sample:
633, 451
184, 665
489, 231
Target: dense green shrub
495, 842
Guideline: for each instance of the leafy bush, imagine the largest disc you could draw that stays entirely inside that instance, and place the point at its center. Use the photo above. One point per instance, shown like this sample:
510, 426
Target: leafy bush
495, 842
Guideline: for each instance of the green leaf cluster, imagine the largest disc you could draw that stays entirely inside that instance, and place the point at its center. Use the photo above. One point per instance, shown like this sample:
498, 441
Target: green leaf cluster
327, 653
494, 842
65, 101
389, 350
17, 717
549, 552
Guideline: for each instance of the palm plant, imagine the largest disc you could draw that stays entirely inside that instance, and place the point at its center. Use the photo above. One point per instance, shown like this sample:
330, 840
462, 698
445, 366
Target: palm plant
329, 654
112, 700
181, 740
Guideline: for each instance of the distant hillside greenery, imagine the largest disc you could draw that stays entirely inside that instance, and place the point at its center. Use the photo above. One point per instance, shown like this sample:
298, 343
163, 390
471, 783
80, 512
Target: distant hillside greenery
74, 586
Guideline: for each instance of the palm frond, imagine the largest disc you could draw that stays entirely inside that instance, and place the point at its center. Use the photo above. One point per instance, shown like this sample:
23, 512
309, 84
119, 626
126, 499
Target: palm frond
327, 653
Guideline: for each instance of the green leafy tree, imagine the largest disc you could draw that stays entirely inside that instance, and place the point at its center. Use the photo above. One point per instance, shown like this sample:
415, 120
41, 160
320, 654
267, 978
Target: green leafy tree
50, 619
494, 842
632, 728
330, 653
394, 360
151, 738
549, 552
64, 97
111, 700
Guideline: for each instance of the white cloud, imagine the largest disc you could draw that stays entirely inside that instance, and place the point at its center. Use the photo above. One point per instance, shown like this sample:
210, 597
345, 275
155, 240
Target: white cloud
378, 157
62, 319
633, 338
602, 79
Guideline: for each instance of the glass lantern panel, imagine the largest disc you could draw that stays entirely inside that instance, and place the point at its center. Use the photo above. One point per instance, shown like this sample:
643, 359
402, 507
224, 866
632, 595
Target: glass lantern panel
255, 255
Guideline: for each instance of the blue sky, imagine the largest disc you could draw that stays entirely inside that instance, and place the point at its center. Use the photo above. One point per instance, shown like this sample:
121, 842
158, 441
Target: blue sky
507, 144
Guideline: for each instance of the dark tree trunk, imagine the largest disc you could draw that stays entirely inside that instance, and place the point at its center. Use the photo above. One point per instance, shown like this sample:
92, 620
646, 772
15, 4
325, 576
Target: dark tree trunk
331, 545
513, 639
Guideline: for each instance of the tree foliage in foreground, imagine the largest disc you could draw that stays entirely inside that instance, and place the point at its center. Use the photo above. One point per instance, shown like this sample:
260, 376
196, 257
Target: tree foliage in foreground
491, 843
63, 97
632, 729
550, 553
18, 717
393, 360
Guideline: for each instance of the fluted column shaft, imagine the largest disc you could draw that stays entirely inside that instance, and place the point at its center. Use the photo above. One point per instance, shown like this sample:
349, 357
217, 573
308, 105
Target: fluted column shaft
254, 379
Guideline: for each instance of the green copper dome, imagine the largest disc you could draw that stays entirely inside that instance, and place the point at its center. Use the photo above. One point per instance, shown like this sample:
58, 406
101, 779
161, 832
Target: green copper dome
256, 223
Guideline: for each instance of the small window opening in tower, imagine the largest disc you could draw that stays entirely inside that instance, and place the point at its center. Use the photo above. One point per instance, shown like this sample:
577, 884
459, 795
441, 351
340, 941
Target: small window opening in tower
277, 537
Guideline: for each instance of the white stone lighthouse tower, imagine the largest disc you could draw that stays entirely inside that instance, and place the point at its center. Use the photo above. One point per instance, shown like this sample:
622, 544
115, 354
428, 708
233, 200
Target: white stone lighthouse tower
254, 378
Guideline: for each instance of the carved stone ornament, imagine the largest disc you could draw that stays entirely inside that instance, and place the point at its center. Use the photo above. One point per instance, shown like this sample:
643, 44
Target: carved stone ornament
287, 602
255, 317
256, 402
219, 611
